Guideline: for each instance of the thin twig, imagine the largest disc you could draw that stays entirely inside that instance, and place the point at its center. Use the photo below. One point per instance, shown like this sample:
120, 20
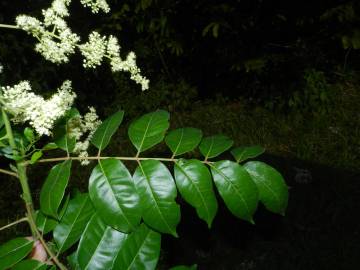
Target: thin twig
42, 241
14, 223
137, 159
9, 173
11, 26
97, 158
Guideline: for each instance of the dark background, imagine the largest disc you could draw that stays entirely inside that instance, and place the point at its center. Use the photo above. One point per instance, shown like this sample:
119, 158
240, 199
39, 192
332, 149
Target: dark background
281, 74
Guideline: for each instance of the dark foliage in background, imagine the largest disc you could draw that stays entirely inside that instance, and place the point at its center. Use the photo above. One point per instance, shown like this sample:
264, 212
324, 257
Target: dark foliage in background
266, 51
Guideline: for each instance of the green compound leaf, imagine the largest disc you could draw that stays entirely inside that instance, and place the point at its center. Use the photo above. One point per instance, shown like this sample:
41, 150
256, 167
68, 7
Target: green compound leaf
113, 194
236, 187
183, 140
194, 182
141, 250
53, 190
273, 190
30, 265
99, 245
14, 251
149, 130
157, 191
106, 130
73, 223
243, 153
213, 146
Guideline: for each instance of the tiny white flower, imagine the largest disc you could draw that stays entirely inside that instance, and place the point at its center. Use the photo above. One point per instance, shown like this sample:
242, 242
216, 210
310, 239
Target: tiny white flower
96, 5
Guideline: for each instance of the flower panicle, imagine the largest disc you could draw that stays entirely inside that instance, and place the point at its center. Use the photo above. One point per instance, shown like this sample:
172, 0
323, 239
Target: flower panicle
26, 106
57, 42
82, 128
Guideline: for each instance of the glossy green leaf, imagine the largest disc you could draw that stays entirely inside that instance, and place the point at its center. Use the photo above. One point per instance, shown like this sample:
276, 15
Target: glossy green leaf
243, 153
183, 140
106, 130
64, 206
45, 224
35, 157
157, 191
1, 121
61, 136
63, 140
73, 223
149, 129
72, 261
29, 134
273, 190
50, 146
30, 265
213, 146
14, 251
184, 267
141, 250
194, 182
99, 245
113, 194
236, 187
53, 190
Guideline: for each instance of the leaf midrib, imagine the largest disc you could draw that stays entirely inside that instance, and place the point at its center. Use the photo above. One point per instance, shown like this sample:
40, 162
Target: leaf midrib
137, 253
272, 192
153, 198
201, 196
17, 248
234, 187
113, 193
105, 132
97, 247
73, 223
177, 147
53, 184
145, 133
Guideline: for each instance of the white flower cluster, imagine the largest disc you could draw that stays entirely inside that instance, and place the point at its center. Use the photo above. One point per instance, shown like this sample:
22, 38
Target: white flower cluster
96, 5
1, 68
117, 64
25, 105
94, 50
58, 43
78, 127
130, 65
